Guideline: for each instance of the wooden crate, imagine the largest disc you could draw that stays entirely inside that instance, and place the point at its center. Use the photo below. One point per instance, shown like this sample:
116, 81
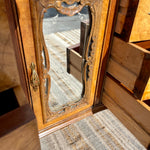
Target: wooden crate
74, 61
130, 65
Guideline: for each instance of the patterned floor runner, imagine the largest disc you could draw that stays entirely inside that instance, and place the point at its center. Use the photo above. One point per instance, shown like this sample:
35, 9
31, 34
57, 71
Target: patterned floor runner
102, 131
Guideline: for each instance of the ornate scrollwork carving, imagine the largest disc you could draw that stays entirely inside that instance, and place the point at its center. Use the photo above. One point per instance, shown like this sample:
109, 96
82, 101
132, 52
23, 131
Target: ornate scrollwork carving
88, 56
70, 11
34, 80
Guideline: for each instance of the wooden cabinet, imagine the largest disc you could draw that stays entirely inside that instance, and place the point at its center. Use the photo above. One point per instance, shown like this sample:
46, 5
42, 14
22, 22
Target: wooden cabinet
18, 126
30, 20
115, 72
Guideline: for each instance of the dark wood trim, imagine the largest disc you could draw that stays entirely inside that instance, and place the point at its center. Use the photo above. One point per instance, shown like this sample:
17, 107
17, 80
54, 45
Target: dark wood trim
143, 77
16, 118
125, 34
17, 43
98, 108
110, 27
144, 44
63, 123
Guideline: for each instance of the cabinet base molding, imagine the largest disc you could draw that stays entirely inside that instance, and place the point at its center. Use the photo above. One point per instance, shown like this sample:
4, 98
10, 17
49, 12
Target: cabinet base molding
63, 123
74, 118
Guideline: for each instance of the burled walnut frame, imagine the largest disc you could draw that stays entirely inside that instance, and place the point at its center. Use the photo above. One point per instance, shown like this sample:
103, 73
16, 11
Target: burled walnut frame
39, 7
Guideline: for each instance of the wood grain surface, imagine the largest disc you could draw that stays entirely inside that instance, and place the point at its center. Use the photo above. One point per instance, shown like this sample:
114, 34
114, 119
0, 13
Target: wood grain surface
18, 130
9, 76
126, 119
140, 30
128, 103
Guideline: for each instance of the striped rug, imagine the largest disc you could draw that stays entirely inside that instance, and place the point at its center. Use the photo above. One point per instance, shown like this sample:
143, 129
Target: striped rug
102, 131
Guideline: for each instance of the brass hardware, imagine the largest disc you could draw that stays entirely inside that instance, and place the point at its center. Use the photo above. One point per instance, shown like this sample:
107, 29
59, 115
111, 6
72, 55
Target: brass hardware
35, 82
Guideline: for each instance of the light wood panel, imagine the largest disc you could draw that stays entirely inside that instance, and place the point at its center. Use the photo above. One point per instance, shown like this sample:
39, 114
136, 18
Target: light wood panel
75, 59
123, 8
126, 119
76, 73
146, 94
126, 16
128, 103
133, 21
122, 74
128, 55
140, 30
20, 95
130, 65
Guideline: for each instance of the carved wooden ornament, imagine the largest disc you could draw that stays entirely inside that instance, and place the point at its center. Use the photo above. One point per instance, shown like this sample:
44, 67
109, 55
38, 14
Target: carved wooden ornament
39, 7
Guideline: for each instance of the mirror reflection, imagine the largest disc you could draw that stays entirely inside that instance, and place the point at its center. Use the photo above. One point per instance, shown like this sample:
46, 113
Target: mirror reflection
65, 38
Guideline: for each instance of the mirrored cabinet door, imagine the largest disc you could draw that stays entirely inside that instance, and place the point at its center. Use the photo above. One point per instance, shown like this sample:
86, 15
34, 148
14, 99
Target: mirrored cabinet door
68, 37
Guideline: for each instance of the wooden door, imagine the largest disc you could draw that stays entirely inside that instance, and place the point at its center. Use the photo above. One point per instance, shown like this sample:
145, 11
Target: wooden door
30, 16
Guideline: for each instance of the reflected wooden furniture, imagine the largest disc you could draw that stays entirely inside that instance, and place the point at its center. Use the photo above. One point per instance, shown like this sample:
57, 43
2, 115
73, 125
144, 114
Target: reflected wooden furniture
76, 52
74, 61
